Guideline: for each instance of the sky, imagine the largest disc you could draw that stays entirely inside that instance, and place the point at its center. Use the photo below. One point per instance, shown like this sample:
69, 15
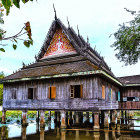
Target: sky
96, 19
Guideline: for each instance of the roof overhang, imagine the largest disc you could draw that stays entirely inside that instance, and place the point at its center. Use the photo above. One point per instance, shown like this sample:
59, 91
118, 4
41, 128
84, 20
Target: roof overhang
67, 75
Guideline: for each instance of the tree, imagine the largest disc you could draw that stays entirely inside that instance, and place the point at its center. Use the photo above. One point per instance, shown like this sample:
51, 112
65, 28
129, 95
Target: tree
1, 88
6, 5
127, 40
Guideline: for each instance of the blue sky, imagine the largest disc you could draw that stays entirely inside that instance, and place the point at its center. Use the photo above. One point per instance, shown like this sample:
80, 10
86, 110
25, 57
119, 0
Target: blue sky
96, 19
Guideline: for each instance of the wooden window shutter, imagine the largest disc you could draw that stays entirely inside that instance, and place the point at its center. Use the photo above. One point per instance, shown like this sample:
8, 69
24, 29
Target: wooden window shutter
35, 93
111, 95
49, 92
103, 92
71, 91
119, 96
53, 92
81, 91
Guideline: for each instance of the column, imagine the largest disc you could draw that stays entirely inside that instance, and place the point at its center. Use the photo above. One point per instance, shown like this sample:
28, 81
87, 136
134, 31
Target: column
42, 133
42, 121
37, 116
63, 119
3, 116
96, 120
87, 116
24, 117
23, 132
49, 115
113, 120
77, 117
106, 117
71, 120
118, 117
58, 118
125, 117
122, 117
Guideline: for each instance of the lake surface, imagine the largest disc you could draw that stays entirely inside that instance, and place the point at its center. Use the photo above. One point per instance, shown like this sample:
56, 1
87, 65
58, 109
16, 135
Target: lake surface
51, 131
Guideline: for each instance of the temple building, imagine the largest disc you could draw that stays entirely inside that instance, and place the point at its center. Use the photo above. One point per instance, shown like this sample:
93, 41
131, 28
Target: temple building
68, 76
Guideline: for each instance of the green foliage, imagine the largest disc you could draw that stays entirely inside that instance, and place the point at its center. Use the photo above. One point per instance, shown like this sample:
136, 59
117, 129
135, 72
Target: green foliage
127, 40
1, 88
6, 5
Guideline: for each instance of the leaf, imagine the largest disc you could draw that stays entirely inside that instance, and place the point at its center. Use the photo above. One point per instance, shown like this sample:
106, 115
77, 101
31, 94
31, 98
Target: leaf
14, 46
27, 44
1, 49
16, 3
24, 1
7, 4
31, 42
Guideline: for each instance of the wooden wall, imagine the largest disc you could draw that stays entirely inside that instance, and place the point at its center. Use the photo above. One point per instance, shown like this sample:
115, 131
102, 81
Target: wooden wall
92, 94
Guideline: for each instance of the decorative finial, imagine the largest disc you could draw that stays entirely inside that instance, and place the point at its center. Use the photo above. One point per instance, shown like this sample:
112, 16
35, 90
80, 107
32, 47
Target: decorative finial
55, 12
78, 30
87, 40
68, 22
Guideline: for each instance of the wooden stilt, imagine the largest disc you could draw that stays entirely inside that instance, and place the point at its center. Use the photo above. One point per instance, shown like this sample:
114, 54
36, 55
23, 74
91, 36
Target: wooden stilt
63, 119
3, 117
42, 121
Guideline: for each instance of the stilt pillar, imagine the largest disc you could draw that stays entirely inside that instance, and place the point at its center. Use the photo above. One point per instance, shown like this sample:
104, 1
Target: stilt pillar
23, 132
87, 116
49, 115
71, 120
113, 120
3, 117
106, 117
122, 118
37, 116
24, 117
96, 120
63, 119
118, 117
42, 121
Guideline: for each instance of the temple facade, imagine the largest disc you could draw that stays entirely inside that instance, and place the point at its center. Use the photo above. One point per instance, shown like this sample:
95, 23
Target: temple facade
68, 76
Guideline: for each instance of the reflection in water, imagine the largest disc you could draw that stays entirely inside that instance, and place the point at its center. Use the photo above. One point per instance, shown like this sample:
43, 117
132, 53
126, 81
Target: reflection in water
41, 133
52, 131
23, 132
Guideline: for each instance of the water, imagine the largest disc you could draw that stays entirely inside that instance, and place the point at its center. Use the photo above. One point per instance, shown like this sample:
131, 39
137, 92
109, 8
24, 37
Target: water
51, 131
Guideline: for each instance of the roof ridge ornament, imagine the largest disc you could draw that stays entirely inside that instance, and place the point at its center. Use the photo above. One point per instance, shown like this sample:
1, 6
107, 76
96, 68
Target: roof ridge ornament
68, 22
78, 30
55, 12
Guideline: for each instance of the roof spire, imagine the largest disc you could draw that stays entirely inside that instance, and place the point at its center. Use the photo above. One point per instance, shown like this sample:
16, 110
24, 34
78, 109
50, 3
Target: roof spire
87, 40
55, 12
68, 22
78, 30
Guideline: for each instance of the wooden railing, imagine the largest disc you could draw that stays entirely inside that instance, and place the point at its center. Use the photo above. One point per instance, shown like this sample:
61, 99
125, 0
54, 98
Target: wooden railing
129, 105
71, 104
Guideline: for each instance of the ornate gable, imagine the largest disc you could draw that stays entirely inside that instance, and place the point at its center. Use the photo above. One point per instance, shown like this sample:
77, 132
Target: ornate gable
59, 45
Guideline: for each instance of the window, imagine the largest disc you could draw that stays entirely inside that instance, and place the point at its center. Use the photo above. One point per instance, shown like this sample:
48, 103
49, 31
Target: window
103, 92
131, 99
52, 92
14, 95
118, 97
32, 93
110, 94
76, 91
